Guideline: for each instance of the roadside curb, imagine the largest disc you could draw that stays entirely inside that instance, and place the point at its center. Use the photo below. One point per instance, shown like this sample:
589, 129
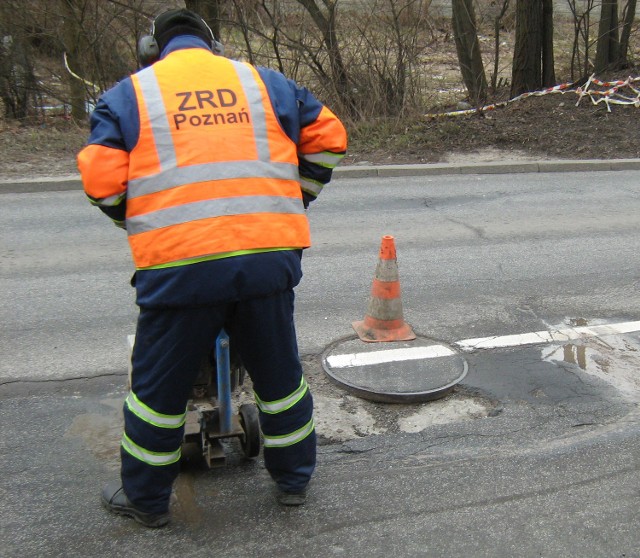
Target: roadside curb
41, 184
72, 182
505, 167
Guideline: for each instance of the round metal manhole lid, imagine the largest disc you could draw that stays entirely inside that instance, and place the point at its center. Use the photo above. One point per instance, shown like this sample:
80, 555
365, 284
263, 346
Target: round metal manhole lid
395, 372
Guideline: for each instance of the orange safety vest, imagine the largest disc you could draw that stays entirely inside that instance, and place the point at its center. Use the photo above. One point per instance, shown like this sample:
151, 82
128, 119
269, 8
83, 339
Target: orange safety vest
213, 173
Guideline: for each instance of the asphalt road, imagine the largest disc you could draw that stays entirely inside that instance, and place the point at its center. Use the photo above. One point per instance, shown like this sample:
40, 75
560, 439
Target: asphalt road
548, 467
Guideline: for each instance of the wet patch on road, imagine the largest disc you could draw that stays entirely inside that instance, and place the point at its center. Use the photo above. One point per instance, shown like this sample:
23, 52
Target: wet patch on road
184, 505
101, 433
615, 360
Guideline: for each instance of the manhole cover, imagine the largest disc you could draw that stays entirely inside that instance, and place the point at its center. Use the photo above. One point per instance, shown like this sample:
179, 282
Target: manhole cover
396, 372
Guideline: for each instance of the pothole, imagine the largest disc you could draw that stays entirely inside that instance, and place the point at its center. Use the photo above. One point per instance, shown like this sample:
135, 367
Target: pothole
341, 416
445, 411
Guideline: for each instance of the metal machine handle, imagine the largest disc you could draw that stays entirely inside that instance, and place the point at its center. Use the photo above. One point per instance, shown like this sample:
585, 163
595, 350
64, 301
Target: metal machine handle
223, 363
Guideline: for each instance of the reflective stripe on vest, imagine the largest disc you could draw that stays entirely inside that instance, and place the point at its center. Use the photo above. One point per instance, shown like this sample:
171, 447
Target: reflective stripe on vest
147, 414
180, 176
154, 458
216, 171
243, 205
289, 439
192, 195
274, 407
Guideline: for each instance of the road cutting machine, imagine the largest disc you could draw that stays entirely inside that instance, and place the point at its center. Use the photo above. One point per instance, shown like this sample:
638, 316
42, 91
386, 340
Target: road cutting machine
210, 412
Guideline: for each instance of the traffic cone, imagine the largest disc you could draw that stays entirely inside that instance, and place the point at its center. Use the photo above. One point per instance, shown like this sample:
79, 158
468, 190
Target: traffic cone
383, 320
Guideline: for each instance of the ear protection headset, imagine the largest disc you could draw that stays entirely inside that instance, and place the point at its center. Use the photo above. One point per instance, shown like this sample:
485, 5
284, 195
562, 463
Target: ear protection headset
149, 51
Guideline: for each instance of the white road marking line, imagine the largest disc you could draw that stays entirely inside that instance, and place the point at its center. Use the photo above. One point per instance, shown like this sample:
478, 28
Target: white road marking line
537, 337
433, 351
389, 355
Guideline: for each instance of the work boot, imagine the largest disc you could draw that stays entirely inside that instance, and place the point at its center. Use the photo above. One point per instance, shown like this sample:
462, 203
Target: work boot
116, 501
291, 498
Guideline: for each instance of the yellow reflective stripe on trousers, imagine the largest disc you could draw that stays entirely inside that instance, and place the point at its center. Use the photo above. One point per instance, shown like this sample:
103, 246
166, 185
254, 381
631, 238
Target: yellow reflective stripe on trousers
273, 407
289, 439
155, 458
147, 414
312, 186
111, 201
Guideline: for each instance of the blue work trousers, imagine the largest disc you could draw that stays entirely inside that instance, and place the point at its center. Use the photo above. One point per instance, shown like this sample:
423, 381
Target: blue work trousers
169, 348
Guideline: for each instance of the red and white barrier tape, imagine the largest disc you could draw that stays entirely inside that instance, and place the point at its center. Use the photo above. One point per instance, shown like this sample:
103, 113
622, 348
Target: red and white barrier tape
609, 96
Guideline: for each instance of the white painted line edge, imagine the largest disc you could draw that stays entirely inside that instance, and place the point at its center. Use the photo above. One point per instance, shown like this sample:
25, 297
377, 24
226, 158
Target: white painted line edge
390, 355
433, 351
537, 337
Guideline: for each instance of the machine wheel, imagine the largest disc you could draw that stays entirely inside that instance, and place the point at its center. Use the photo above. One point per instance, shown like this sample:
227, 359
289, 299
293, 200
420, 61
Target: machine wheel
249, 421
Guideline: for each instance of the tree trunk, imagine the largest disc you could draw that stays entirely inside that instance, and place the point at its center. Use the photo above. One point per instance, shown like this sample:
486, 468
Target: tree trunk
527, 56
71, 38
608, 44
209, 10
548, 63
629, 17
327, 26
469, 56
497, 22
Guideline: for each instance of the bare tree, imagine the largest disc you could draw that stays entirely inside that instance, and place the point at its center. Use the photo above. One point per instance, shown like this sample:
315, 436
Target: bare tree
533, 52
209, 10
580, 63
77, 48
71, 11
497, 23
366, 60
468, 47
325, 20
242, 20
628, 18
548, 62
607, 50
18, 83
385, 55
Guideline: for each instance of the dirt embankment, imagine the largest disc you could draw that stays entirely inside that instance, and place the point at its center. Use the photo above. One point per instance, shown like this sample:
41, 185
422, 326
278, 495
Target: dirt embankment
546, 127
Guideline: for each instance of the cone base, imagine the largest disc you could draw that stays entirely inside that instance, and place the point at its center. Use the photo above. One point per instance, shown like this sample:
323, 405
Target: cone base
377, 335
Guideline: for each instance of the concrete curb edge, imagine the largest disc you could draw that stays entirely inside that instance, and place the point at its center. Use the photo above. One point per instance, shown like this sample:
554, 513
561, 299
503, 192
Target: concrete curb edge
505, 167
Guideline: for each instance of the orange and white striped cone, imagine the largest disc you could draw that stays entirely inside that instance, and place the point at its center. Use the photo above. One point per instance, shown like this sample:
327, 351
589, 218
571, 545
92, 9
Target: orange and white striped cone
383, 320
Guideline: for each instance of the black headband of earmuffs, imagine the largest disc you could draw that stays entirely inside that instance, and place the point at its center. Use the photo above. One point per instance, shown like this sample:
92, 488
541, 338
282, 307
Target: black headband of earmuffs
171, 24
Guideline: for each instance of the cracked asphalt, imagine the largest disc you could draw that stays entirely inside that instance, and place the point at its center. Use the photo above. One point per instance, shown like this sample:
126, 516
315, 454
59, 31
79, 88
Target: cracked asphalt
552, 470
536, 453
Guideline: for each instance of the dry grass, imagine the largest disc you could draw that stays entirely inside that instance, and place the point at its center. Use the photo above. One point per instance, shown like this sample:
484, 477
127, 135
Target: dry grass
50, 147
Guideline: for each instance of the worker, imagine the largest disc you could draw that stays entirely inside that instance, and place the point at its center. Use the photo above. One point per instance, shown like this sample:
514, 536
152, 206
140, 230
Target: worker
209, 165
